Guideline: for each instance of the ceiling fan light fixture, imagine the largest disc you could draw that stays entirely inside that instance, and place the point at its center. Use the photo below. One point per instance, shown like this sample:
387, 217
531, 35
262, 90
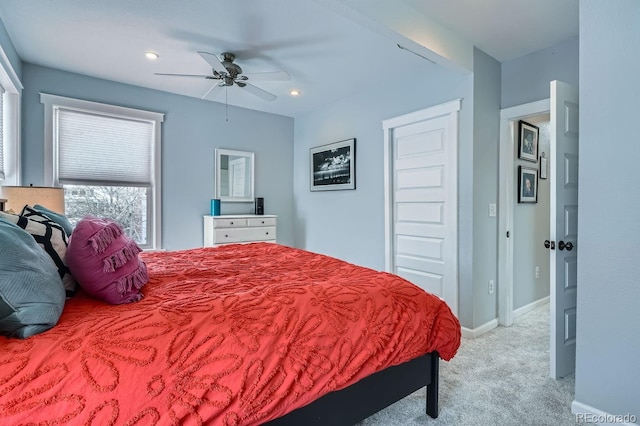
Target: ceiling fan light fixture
152, 56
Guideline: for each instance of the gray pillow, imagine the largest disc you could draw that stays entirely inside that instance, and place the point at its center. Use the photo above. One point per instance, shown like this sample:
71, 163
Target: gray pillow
58, 218
31, 293
51, 237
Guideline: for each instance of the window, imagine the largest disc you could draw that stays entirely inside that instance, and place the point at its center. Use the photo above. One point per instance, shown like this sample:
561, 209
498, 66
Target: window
107, 158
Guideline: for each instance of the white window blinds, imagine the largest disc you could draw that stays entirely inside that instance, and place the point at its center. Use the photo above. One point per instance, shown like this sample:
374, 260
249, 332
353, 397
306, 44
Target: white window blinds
104, 149
1, 133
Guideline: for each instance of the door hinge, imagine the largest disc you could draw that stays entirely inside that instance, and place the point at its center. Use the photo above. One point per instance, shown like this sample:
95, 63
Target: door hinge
508, 234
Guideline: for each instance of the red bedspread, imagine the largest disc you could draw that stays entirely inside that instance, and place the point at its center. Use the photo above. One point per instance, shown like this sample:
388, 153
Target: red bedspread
239, 334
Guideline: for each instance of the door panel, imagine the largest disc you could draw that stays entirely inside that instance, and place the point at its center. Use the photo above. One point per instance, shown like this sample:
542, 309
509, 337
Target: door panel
419, 212
432, 283
421, 198
564, 227
427, 177
421, 225
423, 141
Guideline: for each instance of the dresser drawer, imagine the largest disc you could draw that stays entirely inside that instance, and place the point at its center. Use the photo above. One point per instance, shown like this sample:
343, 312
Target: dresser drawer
230, 222
231, 235
266, 221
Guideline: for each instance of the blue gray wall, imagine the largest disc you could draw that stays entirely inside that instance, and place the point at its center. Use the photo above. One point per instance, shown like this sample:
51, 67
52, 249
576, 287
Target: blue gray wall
608, 327
485, 148
526, 79
192, 130
350, 224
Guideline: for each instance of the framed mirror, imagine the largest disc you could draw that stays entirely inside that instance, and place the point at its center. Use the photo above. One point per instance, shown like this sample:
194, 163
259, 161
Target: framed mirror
234, 175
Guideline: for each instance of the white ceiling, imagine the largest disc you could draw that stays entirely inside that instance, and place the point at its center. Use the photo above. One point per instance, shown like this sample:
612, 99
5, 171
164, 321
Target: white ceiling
327, 52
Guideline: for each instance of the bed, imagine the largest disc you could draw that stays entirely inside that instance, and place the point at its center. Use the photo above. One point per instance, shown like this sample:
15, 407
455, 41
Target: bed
242, 334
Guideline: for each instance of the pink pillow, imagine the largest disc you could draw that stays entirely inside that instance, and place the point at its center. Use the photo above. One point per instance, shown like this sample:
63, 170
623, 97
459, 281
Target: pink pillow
105, 261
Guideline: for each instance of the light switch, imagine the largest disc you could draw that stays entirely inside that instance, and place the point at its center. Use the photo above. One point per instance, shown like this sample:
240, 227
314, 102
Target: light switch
492, 209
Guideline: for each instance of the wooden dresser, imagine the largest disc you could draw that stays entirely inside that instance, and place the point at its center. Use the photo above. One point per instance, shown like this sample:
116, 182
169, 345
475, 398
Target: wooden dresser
239, 228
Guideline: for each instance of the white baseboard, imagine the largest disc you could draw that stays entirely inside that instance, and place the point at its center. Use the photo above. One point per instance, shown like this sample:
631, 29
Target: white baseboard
586, 414
478, 331
530, 307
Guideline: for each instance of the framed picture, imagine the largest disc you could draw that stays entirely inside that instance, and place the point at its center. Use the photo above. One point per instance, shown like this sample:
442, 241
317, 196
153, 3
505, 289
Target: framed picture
527, 184
333, 166
528, 146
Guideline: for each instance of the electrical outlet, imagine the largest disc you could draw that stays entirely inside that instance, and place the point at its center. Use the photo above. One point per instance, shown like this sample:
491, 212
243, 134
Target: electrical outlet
537, 272
490, 286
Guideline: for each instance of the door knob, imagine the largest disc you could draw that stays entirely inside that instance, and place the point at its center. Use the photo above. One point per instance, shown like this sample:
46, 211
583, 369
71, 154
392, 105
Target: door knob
550, 244
568, 245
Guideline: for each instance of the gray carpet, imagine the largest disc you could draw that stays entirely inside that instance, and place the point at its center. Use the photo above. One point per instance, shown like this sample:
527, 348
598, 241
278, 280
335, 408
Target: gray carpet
500, 378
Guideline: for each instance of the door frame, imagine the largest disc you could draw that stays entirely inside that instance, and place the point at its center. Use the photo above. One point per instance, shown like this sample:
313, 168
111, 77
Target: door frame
450, 109
506, 198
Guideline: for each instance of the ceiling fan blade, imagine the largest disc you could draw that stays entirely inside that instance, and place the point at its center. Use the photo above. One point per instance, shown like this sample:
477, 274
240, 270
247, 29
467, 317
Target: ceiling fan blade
268, 76
213, 90
259, 92
214, 62
184, 75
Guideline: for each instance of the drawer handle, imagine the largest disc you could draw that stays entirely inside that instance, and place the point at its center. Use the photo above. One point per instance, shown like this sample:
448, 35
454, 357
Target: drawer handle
267, 233
232, 223
263, 221
226, 235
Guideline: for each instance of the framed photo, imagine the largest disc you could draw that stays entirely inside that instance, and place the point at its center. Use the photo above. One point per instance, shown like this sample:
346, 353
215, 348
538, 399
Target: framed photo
333, 166
528, 146
527, 184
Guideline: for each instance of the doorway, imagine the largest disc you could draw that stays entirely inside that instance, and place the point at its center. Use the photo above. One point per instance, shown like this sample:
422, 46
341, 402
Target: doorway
521, 219
563, 109
531, 222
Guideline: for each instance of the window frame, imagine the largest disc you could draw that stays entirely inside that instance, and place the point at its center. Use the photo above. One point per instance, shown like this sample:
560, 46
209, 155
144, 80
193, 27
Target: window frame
12, 98
54, 102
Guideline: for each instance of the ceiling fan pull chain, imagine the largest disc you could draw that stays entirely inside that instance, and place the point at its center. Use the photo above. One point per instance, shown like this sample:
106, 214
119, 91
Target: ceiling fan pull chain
226, 103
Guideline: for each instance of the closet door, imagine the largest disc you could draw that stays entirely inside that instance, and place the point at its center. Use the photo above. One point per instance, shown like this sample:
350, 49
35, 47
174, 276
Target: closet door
421, 152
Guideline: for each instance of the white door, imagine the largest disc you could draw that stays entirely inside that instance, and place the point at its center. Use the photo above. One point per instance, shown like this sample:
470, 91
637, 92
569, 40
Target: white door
564, 227
422, 213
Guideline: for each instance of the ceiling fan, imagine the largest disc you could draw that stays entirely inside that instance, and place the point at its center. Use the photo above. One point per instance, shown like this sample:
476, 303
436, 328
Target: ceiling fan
227, 73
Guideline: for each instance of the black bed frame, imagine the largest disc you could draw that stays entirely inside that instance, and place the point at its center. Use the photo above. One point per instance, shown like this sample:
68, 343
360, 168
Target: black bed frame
370, 395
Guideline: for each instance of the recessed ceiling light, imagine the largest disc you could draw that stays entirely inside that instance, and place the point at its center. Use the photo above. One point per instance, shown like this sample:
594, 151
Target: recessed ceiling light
151, 55
294, 92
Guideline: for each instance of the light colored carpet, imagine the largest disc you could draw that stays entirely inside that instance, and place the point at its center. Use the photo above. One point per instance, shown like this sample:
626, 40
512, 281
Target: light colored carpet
500, 378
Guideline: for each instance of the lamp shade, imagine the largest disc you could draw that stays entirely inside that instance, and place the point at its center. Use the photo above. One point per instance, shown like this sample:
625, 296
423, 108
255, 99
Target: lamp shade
19, 196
